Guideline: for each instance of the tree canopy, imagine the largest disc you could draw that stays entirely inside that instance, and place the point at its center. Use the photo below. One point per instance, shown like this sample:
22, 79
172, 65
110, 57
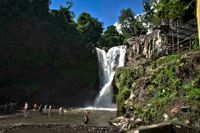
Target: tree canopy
90, 28
130, 25
165, 10
40, 48
111, 37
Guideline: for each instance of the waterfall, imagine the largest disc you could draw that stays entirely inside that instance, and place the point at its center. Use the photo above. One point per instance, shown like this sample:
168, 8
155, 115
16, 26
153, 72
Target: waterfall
114, 58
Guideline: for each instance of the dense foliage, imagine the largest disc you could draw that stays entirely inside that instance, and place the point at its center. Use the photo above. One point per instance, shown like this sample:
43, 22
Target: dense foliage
44, 50
157, 12
111, 37
171, 84
130, 25
90, 28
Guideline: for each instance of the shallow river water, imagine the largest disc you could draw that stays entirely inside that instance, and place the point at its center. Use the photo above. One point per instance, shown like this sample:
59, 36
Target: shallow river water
98, 118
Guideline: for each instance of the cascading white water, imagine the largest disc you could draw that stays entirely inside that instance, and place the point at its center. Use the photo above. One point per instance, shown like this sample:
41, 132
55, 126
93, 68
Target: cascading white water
114, 58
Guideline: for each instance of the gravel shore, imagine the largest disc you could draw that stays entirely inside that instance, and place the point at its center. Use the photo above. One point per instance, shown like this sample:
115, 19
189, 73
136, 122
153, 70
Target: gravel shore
57, 128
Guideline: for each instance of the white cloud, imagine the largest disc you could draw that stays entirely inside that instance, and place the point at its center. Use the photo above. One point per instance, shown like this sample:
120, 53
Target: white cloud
118, 27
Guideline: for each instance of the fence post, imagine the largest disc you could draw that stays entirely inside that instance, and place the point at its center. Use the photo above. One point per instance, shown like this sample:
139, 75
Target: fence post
177, 35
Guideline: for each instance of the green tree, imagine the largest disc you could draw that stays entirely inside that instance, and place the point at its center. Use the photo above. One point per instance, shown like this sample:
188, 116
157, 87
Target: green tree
63, 13
42, 49
149, 10
130, 25
168, 9
111, 37
174, 10
90, 28
15, 10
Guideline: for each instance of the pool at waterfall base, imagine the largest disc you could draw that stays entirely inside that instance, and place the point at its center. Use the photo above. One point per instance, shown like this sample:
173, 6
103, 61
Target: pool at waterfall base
70, 121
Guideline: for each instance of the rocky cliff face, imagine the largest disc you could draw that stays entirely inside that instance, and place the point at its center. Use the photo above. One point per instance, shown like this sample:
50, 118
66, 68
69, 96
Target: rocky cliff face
166, 89
147, 45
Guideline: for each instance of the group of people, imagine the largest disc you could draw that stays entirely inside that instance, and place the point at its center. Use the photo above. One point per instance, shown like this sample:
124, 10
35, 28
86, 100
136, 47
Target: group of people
39, 107
49, 108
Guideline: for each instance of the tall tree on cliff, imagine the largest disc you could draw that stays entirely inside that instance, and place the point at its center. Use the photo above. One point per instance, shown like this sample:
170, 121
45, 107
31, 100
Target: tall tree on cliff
130, 25
149, 10
166, 10
198, 18
90, 28
111, 37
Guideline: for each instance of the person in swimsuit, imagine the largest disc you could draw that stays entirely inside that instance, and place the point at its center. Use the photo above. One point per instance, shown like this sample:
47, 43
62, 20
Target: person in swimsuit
86, 117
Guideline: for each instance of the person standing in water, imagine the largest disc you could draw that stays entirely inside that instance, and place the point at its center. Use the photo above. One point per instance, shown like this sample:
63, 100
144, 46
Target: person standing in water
86, 117
25, 106
49, 108
34, 107
40, 108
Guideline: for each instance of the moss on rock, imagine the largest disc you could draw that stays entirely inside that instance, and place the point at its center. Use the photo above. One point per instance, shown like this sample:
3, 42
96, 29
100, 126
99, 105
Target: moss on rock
172, 84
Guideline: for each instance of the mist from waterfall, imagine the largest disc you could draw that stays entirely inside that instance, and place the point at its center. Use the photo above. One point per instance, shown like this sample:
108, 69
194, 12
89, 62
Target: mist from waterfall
114, 58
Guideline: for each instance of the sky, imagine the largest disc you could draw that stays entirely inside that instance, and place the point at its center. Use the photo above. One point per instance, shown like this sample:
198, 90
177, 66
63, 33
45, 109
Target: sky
106, 11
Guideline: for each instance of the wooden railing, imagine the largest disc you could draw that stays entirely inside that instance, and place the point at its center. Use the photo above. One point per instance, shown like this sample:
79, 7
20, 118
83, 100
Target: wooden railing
184, 45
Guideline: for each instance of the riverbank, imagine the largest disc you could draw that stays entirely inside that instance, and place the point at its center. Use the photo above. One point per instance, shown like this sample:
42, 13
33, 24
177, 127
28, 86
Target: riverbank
57, 128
